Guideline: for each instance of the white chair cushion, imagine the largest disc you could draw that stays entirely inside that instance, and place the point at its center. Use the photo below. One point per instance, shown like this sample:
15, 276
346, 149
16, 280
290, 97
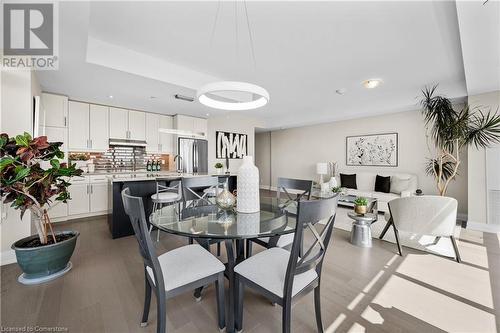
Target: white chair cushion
268, 270
186, 264
399, 185
283, 241
166, 197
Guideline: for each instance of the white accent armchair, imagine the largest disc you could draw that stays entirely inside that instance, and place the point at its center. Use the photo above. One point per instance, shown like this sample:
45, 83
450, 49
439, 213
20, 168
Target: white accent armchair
424, 215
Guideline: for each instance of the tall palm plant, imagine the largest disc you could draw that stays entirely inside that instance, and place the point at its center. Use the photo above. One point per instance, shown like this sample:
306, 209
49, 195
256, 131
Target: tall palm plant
451, 131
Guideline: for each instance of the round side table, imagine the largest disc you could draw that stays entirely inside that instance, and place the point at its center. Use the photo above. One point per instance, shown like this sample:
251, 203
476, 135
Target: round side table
361, 233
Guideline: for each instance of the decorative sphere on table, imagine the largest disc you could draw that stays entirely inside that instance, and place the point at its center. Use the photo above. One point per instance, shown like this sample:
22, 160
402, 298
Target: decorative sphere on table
248, 187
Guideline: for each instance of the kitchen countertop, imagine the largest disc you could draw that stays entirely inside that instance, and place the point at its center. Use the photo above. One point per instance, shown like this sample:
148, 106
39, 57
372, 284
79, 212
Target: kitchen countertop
158, 175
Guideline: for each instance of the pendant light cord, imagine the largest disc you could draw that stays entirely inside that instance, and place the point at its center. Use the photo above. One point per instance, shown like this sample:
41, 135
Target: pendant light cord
215, 24
250, 35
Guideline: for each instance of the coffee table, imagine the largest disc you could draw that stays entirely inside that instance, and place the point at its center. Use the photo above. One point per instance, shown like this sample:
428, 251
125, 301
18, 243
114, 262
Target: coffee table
361, 233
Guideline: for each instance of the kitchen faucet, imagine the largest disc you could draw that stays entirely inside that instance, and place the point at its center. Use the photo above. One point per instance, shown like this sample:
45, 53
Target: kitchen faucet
181, 169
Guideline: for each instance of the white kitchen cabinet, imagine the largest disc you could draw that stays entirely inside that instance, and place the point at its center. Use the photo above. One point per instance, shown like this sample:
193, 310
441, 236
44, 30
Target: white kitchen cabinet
136, 125
53, 110
79, 203
152, 134
78, 129
98, 128
98, 197
166, 140
200, 126
118, 123
58, 209
191, 124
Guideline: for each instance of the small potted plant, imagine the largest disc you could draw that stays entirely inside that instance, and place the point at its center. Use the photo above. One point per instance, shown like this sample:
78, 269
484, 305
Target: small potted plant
337, 189
360, 205
218, 166
28, 186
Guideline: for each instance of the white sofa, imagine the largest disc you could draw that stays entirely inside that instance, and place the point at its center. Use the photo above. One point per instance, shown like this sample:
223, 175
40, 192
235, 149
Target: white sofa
365, 182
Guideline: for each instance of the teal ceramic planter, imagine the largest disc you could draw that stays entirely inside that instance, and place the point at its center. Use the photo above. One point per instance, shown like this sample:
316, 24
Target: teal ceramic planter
44, 263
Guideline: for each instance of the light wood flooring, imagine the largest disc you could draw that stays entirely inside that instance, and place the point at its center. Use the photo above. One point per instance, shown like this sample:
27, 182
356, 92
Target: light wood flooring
363, 290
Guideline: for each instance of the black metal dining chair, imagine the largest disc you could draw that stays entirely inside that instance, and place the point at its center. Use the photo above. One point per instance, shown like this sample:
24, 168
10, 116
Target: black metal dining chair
172, 273
302, 189
197, 191
283, 276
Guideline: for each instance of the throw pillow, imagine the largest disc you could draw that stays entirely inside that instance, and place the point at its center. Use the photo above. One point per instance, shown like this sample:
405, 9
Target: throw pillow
348, 181
383, 184
398, 184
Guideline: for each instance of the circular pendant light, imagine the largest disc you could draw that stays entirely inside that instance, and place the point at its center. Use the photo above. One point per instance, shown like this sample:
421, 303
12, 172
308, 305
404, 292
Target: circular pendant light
258, 95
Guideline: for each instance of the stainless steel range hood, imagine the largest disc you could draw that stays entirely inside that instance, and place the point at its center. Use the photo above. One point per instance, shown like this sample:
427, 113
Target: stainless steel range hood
127, 143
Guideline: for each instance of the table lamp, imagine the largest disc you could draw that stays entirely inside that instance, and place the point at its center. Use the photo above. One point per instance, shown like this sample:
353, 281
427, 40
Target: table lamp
321, 169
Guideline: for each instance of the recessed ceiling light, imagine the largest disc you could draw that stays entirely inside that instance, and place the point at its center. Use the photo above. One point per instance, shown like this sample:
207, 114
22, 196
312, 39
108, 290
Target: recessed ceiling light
152, 97
208, 114
110, 96
371, 83
341, 91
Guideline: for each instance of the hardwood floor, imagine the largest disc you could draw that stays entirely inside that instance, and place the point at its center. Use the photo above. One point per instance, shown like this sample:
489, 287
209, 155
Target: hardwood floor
363, 290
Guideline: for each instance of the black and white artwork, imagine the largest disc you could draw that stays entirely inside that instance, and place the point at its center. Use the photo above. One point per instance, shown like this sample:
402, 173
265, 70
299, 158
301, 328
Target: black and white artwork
372, 150
231, 145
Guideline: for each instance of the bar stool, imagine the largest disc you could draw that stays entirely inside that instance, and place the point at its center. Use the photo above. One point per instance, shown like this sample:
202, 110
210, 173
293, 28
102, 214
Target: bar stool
164, 196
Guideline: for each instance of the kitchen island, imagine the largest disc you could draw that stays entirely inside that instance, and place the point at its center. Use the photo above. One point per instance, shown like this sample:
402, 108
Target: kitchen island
143, 185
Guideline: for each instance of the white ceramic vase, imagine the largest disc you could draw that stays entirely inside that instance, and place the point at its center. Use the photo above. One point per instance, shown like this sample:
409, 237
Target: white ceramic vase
333, 182
248, 200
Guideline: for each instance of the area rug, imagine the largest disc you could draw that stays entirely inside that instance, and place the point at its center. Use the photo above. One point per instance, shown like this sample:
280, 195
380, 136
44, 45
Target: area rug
424, 243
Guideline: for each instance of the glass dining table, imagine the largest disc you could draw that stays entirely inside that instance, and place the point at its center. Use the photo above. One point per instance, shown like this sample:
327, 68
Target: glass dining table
208, 223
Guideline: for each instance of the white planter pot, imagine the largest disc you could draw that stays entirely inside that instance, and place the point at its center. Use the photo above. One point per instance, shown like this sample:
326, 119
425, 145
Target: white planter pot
248, 200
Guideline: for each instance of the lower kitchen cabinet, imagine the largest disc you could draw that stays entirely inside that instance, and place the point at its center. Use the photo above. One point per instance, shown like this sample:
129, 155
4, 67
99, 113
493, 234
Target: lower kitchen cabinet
79, 203
98, 197
89, 195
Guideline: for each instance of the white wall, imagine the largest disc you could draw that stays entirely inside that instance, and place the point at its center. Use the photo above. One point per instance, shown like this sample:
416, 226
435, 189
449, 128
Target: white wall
231, 122
15, 118
296, 151
477, 166
263, 157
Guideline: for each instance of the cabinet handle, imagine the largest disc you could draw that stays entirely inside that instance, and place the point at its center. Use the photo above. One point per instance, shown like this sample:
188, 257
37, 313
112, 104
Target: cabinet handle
90, 143
65, 122
87, 189
91, 189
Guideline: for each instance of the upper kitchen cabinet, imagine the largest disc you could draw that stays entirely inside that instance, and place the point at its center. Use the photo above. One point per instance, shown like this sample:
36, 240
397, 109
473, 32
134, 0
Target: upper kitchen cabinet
88, 127
152, 134
54, 110
136, 125
118, 123
78, 121
127, 124
166, 140
99, 127
197, 126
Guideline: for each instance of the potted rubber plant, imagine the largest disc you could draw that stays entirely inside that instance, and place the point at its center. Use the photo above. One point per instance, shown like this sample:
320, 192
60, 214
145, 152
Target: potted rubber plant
360, 205
33, 178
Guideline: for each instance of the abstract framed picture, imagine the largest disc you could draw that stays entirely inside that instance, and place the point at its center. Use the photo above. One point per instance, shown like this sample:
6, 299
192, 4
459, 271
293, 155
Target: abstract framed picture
372, 150
231, 145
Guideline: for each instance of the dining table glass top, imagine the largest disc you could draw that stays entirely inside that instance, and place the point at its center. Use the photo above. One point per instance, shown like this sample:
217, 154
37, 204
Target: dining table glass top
202, 219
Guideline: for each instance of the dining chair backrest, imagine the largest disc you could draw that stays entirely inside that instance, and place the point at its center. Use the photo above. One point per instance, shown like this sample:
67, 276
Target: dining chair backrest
301, 189
174, 187
309, 213
425, 215
192, 188
134, 208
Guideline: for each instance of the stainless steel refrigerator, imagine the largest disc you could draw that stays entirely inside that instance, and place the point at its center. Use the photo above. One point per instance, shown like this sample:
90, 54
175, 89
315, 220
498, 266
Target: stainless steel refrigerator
194, 153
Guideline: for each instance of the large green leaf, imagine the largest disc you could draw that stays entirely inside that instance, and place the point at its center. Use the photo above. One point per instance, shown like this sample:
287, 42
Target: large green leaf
5, 161
55, 163
22, 140
21, 172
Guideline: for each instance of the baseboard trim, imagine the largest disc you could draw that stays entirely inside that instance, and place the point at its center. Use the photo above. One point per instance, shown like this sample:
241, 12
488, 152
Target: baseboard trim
7, 257
79, 216
483, 227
